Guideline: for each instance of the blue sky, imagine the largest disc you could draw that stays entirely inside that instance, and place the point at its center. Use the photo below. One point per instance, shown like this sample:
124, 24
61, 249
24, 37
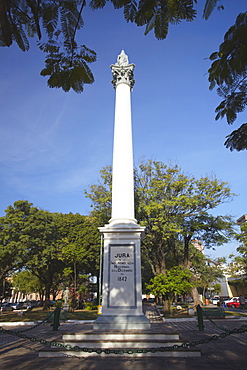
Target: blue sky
53, 144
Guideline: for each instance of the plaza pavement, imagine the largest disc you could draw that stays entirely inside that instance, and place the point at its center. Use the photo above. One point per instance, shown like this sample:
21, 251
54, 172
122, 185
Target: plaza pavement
229, 353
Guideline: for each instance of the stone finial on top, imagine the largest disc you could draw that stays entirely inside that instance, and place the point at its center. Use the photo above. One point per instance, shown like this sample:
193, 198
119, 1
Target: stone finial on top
122, 71
122, 59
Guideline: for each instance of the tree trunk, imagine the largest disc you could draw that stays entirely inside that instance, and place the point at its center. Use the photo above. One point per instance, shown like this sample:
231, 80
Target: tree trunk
195, 296
187, 263
47, 299
167, 308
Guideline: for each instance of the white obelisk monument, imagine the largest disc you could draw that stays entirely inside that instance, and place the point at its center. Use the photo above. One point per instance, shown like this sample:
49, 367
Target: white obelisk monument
122, 288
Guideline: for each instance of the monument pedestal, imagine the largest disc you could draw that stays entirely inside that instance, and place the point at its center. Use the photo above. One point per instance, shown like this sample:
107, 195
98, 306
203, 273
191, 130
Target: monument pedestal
122, 288
90, 343
115, 323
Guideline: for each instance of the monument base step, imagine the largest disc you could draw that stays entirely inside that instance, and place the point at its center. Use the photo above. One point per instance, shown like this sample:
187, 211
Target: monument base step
108, 322
120, 344
167, 353
120, 336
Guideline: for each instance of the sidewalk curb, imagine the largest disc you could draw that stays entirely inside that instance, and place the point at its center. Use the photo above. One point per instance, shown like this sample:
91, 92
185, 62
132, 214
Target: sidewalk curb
184, 319
26, 323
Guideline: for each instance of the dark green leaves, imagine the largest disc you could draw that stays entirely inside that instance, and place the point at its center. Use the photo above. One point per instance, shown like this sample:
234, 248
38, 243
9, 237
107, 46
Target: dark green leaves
97, 4
156, 15
66, 63
56, 23
237, 139
209, 7
130, 11
66, 72
229, 73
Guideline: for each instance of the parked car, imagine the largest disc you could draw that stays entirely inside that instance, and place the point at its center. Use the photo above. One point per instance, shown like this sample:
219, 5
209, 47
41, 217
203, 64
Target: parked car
233, 299
234, 303
6, 307
215, 299
17, 306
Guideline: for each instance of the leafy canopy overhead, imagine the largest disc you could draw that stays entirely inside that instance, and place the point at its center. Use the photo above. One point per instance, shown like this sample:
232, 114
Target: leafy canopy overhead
229, 73
153, 14
57, 23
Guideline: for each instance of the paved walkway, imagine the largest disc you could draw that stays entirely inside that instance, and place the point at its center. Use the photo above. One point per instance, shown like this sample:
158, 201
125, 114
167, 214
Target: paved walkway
225, 353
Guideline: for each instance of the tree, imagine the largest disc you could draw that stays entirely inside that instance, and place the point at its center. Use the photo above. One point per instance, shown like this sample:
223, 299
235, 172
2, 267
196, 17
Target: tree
66, 62
47, 245
205, 272
237, 269
216, 288
175, 209
80, 243
155, 15
209, 7
58, 22
100, 195
175, 281
30, 236
229, 72
13, 236
25, 282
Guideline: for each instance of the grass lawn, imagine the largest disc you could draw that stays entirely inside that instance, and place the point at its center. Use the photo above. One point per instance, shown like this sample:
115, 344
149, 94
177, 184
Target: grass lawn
184, 313
37, 314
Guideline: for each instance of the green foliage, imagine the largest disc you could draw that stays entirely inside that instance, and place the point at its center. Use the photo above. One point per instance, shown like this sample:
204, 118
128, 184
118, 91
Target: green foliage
205, 271
229, 72
176, 281
237, 139
66, 61
79, 242
209, 7
237, 268
100, 195
217, 288
90, 306
66, 72
20, 230
175, 209
50, 246
58, 22
26, 282
29, 236
154, 15
242, 237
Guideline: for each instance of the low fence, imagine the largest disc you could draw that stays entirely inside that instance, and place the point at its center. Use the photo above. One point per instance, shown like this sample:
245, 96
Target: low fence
55, 317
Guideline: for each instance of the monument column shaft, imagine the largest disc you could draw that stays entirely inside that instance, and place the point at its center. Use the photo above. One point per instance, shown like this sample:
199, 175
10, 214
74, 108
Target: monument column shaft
122, 285
122, 171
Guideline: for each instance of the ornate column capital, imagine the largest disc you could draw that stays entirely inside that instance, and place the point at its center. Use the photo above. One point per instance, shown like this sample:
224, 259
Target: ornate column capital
122, 71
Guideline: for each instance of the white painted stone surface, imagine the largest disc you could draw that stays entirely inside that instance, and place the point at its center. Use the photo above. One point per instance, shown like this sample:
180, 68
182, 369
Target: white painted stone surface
122, 288
122, 291
122, 168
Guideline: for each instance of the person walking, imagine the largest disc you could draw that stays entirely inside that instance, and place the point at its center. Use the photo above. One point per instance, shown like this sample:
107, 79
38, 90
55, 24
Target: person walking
242, 302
